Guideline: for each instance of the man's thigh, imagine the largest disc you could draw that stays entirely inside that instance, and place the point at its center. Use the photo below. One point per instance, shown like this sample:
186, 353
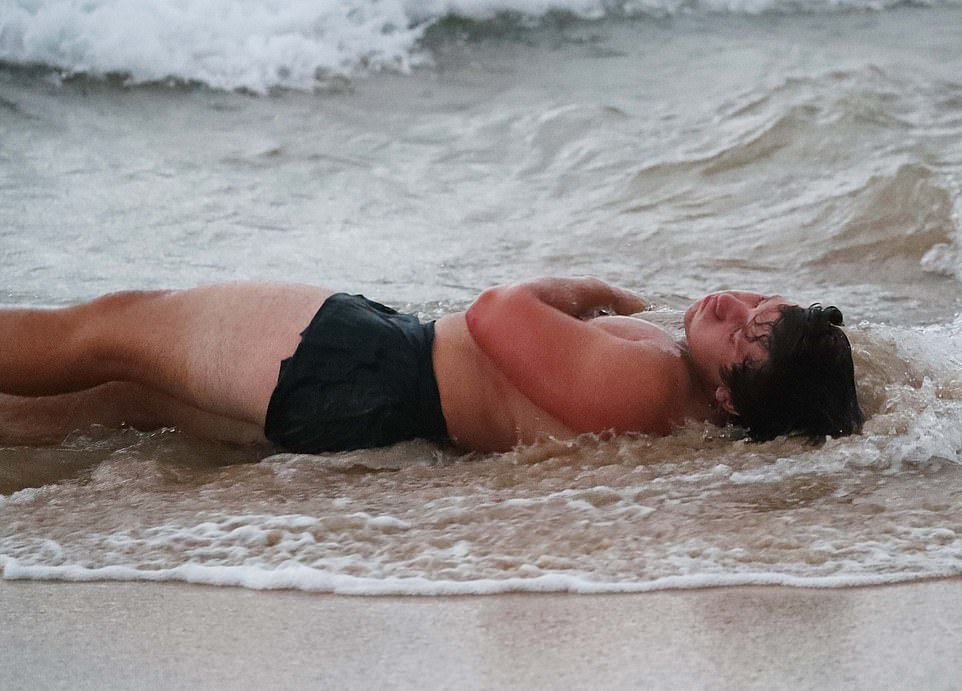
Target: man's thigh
217, 347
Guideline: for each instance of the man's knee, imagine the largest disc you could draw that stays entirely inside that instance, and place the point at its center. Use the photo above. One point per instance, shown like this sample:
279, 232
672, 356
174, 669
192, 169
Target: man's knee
110, 332
122, 300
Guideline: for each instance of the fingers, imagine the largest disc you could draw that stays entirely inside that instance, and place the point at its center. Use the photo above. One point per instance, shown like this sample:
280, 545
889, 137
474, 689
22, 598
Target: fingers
584, 297
629, 303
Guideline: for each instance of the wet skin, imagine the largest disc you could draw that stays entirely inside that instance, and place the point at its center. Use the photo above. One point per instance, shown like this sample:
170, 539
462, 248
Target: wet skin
727, 329
527, 360
560, 374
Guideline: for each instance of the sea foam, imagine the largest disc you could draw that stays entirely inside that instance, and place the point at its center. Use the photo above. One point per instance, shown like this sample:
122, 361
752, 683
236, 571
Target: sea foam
258, 45
299, 577
593, 515
223, 43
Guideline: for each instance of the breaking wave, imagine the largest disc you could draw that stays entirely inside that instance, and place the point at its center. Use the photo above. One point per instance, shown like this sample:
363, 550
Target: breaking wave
258, 45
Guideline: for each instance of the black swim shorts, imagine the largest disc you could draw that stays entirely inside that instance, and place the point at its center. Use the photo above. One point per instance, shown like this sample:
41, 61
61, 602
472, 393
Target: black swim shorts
362, 376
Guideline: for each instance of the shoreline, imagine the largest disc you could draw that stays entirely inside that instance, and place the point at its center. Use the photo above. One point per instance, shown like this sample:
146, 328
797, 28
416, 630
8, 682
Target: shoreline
148, 635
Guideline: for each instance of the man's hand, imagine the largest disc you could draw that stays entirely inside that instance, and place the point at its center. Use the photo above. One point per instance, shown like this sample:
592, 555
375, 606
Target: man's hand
583, 298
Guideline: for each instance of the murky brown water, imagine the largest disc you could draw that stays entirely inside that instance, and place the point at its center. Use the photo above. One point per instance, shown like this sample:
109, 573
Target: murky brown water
816, 155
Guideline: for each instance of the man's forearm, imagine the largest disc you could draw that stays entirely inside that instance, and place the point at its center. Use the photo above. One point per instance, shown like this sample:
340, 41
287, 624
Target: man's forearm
582, 297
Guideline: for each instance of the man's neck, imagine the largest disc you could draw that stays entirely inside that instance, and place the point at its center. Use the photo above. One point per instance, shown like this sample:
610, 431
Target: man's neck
701, 401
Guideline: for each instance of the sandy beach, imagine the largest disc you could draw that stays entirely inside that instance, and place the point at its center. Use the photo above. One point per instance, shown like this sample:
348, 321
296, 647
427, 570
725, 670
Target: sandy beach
120, 636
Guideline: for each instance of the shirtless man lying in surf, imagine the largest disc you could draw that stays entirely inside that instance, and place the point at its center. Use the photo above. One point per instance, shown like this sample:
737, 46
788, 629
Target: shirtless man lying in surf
315, 371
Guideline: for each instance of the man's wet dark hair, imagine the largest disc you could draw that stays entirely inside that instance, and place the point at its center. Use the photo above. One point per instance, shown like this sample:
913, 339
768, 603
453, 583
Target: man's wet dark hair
807, 385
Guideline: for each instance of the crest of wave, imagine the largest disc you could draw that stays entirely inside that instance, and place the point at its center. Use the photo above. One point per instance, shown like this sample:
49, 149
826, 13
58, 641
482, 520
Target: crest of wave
260, 44
910, 385
228, 44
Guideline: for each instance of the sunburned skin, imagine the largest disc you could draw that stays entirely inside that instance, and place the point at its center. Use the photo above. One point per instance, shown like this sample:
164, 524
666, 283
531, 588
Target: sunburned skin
483, 409
524, 362
636, 328
486, 410
512, 394
724, 329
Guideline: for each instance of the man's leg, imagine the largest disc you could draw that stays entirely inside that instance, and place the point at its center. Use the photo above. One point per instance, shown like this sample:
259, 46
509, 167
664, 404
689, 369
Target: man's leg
49, 419
216, 348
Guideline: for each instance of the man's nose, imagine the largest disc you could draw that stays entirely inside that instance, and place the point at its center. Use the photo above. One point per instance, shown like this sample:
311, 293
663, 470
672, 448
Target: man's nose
729, 306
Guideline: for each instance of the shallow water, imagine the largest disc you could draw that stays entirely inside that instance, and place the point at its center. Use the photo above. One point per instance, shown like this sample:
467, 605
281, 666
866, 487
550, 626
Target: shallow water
815, 152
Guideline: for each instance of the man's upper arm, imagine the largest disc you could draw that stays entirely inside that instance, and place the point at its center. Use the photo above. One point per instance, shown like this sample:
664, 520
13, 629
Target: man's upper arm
588, 378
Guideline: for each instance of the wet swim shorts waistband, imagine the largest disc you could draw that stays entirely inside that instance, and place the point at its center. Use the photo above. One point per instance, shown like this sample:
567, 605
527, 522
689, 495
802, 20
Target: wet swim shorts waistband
361, 377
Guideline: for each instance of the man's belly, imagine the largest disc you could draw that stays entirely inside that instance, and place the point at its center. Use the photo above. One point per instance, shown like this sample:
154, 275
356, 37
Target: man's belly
482, 409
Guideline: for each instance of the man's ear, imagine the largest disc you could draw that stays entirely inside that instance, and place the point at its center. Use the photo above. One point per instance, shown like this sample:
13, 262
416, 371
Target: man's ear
723, 397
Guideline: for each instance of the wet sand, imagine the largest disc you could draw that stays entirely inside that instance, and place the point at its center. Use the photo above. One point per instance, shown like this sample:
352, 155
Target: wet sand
135, 635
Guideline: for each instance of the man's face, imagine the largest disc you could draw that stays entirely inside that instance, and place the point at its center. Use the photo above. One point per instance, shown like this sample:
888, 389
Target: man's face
725, 329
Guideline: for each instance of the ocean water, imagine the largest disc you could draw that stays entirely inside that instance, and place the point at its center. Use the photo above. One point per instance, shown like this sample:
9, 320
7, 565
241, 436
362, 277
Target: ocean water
419, 151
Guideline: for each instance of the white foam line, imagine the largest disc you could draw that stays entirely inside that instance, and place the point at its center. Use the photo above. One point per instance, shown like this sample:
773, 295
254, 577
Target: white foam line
311, 580
250, 44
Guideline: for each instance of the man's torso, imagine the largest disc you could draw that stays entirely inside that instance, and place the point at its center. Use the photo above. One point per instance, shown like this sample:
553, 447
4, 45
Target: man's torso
485, 411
